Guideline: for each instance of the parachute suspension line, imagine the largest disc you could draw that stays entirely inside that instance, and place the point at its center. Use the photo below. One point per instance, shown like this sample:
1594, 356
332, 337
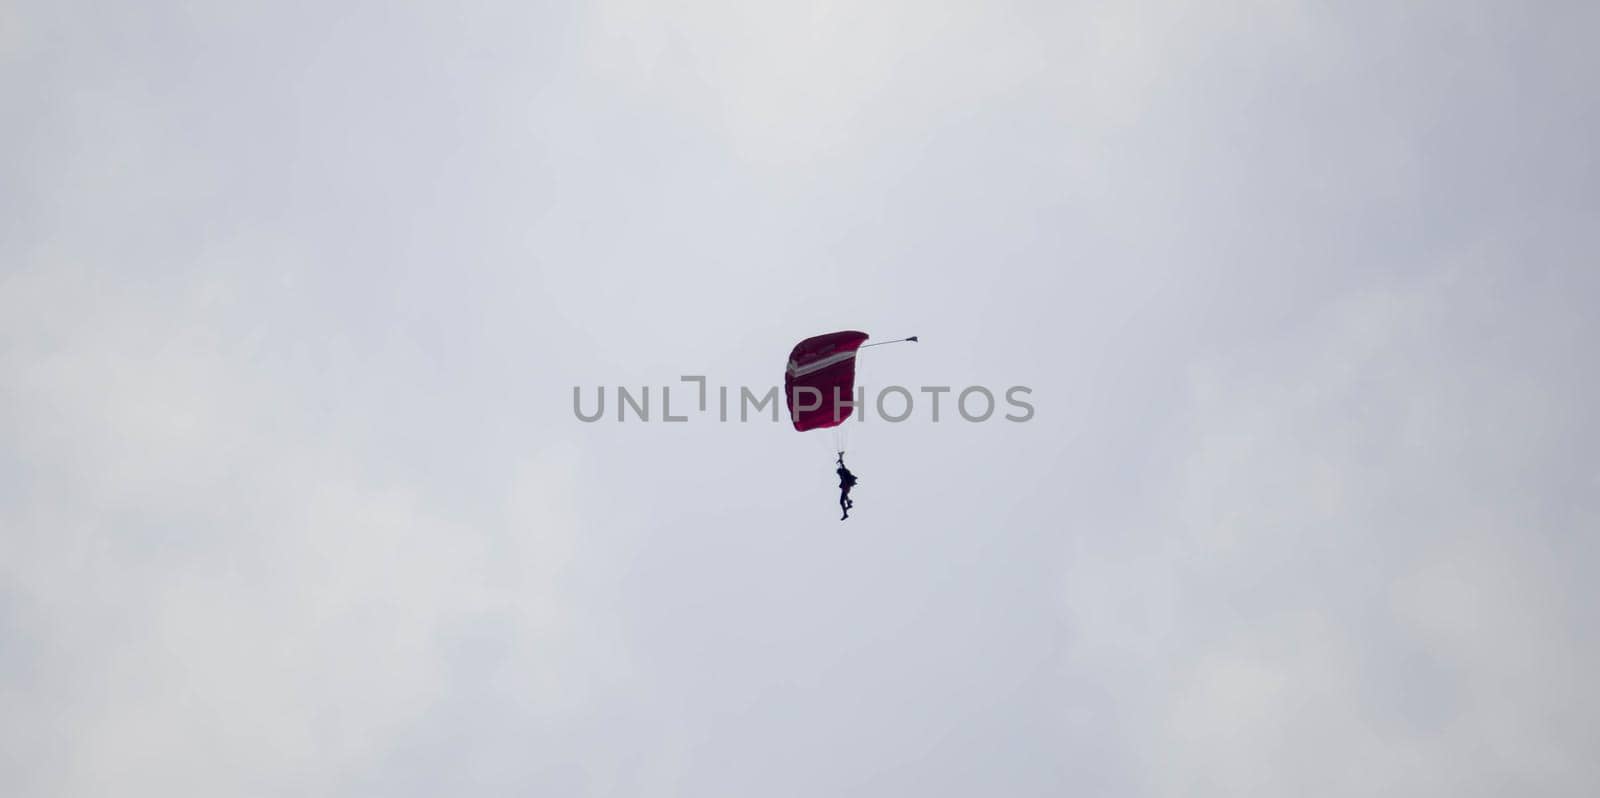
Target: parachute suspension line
841, 433
833, 439
884, 343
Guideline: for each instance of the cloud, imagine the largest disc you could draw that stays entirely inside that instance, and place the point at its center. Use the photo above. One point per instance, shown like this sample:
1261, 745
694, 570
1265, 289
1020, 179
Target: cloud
205, 592
291, 499
1364, 569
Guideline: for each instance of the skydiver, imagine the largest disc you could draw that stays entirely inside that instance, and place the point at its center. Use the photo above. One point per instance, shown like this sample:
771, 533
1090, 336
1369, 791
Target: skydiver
847, 481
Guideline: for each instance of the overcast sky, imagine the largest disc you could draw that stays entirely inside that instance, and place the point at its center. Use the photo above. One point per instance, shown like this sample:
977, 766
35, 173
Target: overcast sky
293, 299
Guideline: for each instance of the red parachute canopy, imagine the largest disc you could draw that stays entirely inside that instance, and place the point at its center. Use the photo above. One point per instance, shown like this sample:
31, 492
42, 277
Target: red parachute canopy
826, 363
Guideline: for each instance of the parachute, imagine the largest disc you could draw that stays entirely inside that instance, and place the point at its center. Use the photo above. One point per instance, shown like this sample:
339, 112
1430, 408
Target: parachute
819, 386
820, 382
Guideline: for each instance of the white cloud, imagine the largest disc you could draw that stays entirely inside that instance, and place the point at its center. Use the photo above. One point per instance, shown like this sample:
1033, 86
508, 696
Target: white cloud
215, 599
1369, 595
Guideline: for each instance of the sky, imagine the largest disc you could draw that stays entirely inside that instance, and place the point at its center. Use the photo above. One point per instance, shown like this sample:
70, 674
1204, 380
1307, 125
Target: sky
294, 298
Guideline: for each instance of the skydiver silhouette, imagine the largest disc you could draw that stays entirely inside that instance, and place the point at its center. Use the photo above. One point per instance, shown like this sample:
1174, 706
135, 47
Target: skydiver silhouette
847, 481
